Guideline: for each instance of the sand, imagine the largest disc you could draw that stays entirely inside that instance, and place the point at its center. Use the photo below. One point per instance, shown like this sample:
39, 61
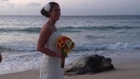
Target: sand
122, 71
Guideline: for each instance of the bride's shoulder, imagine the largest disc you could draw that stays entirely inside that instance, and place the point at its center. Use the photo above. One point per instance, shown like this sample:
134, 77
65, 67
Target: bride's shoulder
46, 26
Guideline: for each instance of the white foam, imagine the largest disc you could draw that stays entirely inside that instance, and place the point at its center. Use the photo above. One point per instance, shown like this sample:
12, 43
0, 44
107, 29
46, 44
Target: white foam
19, 62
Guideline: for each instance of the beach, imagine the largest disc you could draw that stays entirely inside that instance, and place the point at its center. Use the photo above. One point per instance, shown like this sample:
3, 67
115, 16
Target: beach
101, 35
124, 70
114, 36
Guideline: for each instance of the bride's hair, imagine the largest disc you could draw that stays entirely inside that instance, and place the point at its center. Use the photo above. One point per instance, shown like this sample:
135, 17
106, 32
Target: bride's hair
46, 13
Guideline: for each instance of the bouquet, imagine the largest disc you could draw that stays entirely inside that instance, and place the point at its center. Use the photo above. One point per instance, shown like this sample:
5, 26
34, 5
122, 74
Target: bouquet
64, 45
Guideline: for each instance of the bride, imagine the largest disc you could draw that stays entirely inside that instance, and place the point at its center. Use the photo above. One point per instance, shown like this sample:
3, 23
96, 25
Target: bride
51, 61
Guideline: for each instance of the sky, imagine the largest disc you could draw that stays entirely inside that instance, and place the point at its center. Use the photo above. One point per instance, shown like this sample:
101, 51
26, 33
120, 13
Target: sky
72, 7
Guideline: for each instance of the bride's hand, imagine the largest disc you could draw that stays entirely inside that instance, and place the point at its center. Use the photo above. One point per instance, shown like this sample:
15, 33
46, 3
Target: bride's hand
59, 55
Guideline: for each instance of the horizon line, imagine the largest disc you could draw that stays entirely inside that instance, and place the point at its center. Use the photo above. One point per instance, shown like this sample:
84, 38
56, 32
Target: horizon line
74, 15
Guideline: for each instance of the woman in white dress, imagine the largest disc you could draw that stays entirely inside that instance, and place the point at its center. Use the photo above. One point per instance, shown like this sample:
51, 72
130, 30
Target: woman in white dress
51, 61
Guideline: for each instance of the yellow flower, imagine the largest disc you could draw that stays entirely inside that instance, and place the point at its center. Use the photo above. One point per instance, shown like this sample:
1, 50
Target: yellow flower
67, 49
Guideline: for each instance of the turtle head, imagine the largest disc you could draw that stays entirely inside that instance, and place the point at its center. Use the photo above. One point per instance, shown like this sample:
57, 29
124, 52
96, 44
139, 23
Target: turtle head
106, 62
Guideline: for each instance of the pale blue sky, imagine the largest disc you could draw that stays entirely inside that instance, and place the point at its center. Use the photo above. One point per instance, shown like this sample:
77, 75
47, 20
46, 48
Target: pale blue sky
72, 7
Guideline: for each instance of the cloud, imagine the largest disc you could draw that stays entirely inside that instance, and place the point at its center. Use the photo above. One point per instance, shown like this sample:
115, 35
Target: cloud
34, 4
6, 4
10, 4
51, 0
1, 6
4, 0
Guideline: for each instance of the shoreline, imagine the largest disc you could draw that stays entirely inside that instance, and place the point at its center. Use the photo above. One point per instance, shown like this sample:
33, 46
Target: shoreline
127, 70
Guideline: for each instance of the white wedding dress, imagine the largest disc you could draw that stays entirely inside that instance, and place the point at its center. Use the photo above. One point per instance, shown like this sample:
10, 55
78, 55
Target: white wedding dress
51, 66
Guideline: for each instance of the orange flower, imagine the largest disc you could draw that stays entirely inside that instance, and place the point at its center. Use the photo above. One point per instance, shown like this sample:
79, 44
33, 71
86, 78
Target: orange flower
64, 44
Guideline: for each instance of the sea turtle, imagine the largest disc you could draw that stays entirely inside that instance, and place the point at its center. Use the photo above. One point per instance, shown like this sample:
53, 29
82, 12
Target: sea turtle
90, 64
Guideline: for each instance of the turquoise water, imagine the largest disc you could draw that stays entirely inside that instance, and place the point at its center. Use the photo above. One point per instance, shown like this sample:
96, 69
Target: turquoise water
112, 36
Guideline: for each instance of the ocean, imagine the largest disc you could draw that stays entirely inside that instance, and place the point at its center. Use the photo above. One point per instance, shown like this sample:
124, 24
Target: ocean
112, 36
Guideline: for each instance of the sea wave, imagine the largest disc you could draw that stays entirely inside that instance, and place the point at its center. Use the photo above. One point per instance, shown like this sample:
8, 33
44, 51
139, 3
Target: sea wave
98, 28
18, 47
104, 46
24, 47
27, 30
67, 29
